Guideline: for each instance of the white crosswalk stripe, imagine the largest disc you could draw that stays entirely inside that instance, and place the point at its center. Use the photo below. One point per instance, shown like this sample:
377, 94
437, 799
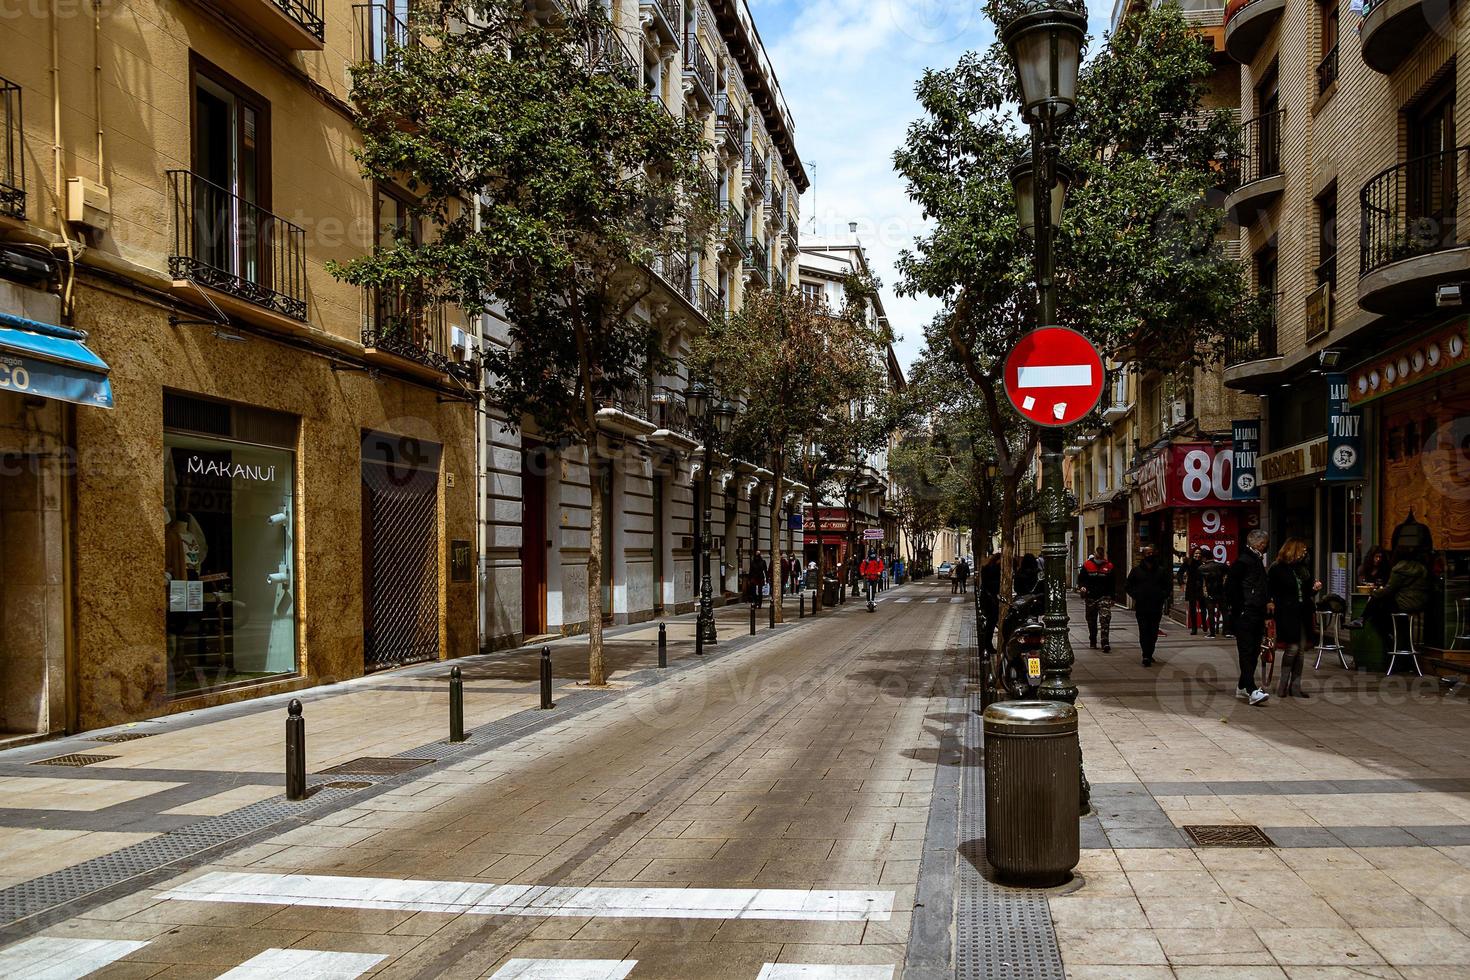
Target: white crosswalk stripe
904, 599
822, 971
931, 600
525, 969
305, 964
55, 958
484, 898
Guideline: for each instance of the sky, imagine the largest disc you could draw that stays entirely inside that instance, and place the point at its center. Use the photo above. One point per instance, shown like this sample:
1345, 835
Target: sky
848, 68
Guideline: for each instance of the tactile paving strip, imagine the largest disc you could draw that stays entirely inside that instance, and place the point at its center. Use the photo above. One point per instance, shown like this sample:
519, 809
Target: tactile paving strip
1002, 933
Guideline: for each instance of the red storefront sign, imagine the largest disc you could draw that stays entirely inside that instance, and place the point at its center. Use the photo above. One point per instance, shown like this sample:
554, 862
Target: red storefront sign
1217, 530
1187, 474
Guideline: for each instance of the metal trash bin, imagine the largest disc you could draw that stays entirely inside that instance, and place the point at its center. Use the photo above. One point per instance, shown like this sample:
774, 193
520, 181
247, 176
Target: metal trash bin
829, 592
1033, 774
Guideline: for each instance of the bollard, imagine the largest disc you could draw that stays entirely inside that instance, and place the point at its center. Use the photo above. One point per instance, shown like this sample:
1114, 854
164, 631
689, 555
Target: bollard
295, 752
663, 646
801, 607
773, 613
752, 617
545, 678
456, 705
698, 638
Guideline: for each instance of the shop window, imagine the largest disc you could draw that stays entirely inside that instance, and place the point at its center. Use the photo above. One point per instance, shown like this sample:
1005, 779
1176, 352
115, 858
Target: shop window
229, 558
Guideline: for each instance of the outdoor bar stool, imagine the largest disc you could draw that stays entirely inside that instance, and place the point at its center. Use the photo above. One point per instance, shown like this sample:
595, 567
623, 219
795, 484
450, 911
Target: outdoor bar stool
1462, 621
1329, 621
1403, 642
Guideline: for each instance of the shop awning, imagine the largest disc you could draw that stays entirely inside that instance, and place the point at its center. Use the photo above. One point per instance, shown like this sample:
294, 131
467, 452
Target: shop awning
50, 361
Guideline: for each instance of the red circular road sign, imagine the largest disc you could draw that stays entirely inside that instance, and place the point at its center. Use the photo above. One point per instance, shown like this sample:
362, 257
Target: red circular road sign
1054, 376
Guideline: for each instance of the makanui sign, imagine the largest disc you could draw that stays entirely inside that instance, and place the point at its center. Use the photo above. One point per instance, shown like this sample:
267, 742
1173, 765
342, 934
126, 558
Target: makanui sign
1054, 376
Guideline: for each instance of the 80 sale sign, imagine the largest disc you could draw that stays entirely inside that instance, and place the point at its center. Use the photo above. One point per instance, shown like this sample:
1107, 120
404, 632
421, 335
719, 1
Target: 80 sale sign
1189, 474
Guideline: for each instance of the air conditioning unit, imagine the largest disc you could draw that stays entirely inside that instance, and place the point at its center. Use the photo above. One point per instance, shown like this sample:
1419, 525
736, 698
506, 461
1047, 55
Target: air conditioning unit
88, 203
462, 344
1179, 411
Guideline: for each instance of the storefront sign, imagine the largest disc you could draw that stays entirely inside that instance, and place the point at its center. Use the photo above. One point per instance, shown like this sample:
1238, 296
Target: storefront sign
1410, 364
793, 522
1245, 440
197, 465
1217, 530
1344, 432
1303, 459
1191, 474
872, 534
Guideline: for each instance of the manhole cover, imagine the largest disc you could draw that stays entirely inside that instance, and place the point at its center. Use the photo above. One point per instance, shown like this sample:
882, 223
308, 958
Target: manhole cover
122, 737
76, 759
1228, 835
374, 766
348, 784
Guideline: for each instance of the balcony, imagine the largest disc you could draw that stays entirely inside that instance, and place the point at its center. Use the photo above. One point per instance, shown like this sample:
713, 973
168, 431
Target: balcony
12, 154
729, 125
778, 279
671, 416
1327, 70
699, 69
734, 231
755, 174
230, 245
626, 411
1203, 13
710, 302
1255, 176
1247, 23
381, 36
674, 271
288, 25
1411, 240
1255, 356
776, 205
1392, 28
405, 333
790, 238
663, 17
756, 265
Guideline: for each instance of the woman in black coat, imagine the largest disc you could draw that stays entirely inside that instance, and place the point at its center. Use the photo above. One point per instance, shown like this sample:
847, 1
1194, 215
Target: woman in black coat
1292, 592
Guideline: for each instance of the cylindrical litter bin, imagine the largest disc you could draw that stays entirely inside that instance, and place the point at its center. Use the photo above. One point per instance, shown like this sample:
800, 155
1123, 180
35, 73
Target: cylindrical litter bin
829, 592
1033, 774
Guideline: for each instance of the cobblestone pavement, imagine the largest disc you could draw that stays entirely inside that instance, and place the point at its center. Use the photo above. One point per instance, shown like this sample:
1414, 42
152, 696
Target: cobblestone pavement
1364, 789
758, 814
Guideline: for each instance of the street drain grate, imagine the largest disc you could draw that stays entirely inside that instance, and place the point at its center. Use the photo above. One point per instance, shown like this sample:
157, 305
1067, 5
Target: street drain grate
75, 760
1228, 835
374, 766
122, 737
348, 784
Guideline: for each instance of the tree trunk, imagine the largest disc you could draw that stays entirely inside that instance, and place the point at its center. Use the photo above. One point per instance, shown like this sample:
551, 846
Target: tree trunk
775, 573
596, 669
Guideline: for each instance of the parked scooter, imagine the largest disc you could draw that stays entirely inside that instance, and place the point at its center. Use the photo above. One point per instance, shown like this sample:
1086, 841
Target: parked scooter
1022, 636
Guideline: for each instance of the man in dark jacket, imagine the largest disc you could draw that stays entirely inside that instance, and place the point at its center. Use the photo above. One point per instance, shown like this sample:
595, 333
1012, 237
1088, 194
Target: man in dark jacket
757, 578
1246, 597
1098, 585
989, 589
1150, 586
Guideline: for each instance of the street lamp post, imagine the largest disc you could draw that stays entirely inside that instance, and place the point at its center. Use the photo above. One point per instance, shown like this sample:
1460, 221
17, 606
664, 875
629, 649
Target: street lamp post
1045, 44
714, 419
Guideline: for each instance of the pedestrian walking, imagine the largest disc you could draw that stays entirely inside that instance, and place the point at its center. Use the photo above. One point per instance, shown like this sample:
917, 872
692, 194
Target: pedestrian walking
785, 575
1191, 577
1097, 583
1291, 590
1246, 602
1212, 574
759, 575
963, 571
1150, 586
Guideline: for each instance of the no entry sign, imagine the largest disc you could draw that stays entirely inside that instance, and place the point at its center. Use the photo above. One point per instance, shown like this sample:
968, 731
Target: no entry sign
1054, 376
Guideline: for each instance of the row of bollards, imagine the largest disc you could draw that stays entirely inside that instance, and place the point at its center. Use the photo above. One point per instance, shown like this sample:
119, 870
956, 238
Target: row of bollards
296, 724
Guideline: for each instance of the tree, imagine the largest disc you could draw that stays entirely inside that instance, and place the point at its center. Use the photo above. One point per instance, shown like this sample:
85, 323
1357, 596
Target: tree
549, 183
1137, 256
792, 359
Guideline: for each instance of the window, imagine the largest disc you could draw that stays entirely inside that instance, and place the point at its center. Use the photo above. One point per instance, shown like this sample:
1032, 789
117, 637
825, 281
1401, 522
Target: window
231, 164
1328, 20
1430, 176
814, 291
1327, 237
229, 526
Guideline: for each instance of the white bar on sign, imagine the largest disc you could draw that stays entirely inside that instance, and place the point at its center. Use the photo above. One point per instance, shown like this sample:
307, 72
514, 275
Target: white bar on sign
1054, 376
304, 964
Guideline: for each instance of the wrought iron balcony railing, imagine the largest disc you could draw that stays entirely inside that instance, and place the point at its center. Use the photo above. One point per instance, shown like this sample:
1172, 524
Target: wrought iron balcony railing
755, 174
664, 16
699, 63
381, 36
1327, 70
307, 13
730, 124
710, 302
632, 400
1260, 154
395, 324
12, 154
756, 261
1410, 209
674, 271
1260, 343
671, 412
234, 246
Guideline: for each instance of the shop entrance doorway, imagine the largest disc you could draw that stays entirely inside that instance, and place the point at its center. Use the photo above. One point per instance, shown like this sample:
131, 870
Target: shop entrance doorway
535, 461
400, 530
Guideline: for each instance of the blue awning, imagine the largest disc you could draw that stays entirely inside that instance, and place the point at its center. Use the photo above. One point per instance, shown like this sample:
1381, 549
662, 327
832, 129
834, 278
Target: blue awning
51, 362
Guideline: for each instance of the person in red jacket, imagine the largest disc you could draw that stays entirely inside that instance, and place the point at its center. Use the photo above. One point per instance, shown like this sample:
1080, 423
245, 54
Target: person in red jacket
871, 570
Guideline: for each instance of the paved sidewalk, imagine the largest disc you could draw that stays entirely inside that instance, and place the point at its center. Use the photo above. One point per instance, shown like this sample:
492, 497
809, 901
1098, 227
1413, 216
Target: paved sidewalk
1364, 789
